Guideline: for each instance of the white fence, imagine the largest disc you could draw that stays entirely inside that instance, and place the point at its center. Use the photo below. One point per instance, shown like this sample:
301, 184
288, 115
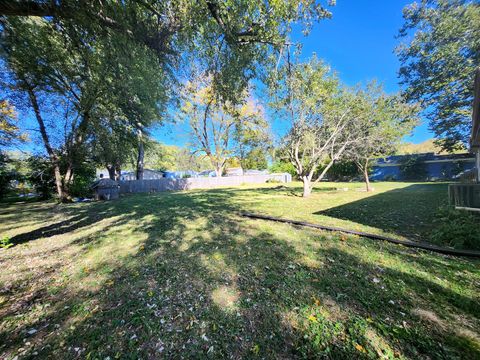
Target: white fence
165, 184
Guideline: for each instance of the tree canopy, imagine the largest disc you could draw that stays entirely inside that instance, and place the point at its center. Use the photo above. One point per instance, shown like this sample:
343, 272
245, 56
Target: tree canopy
220, 128
439, 58
383, 120
112, 67
324, 118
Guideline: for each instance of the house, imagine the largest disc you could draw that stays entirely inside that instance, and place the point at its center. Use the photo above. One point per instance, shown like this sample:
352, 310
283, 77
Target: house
430, 166
475, 135
148, 174
466, 194
102, 173
180, 174
237, 171
256, 172
207, 173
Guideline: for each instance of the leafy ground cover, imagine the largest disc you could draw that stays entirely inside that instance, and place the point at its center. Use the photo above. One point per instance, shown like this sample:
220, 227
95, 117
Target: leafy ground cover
181, 275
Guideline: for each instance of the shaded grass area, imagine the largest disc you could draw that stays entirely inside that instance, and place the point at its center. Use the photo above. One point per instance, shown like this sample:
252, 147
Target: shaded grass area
180, 275
398, 209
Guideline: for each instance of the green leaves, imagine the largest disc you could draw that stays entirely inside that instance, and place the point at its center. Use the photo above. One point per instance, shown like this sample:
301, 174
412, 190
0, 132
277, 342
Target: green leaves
382, 122
9, 130
439, 62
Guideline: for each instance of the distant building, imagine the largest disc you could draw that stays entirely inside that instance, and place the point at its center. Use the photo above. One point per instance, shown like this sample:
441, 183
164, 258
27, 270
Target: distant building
147, 175
102, 173
466, 194
180, 174
207, 173
237, 171
434, 167
475, 135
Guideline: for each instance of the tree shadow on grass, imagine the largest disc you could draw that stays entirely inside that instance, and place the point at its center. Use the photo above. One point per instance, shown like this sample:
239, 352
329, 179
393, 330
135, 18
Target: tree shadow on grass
408, 211
290, 190
207, 284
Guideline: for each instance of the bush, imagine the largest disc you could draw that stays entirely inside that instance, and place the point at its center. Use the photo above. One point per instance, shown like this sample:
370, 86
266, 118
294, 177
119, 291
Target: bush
389, 177
5, 176
342, 171
84, 175
5, 242
41, 176
456, 228
413, 167
283, 167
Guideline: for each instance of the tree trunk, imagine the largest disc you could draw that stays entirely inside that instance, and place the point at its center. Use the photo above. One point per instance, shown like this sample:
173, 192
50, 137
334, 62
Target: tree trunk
118, 172
367, 180
366, 177
307, 187
62, 195
141, 155
218, 171
61, 192
68, 179
111, 172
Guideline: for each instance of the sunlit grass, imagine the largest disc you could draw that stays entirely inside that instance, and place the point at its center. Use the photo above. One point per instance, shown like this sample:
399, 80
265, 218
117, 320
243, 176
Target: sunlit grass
183, 275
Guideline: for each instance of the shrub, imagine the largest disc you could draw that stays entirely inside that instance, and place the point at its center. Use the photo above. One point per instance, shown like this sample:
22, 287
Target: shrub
84, 175
389, 177
5, 242
413, 167
40, 175
456, 228
343, 170
5, 175
283, 167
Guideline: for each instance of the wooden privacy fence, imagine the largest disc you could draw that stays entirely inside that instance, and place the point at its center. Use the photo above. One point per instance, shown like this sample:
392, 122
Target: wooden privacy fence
465, 196
165, 184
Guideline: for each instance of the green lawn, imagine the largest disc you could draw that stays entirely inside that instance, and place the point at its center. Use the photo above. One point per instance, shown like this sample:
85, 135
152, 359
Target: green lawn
182, 275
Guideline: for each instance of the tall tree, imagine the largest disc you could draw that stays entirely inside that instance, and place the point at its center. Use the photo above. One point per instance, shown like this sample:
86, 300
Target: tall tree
163, 157
438, 64
160, 156
113, 145
323, 118
185, 160
251, 134
81, 51
383, 121
256, 159
222, 128
57, 60
212, 121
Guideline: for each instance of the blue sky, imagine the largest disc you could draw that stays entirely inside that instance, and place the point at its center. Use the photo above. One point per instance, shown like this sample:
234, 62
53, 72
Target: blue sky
358, 43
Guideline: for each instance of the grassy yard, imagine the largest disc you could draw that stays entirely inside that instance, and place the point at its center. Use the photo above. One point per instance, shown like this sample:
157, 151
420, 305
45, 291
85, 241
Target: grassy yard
181, 275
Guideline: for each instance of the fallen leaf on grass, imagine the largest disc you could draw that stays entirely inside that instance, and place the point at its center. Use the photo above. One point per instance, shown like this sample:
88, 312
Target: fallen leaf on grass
360, 348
